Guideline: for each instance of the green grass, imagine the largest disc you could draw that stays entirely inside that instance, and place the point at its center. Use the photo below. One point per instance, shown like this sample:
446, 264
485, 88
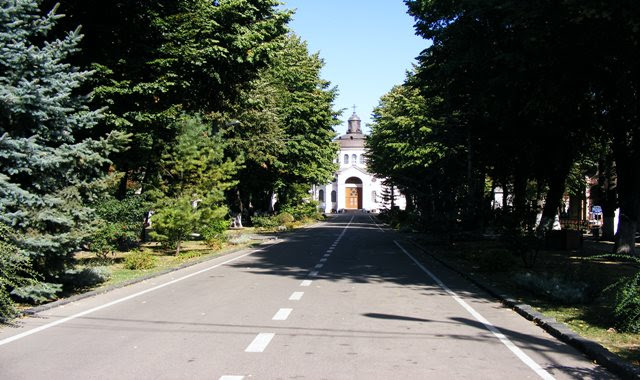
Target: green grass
192, 251
625, 345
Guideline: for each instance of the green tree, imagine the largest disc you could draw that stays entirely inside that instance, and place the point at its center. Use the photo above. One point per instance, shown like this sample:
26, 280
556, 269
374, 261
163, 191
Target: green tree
285, 130
194, 177
157, 60
413, 148
48, 172
514, 73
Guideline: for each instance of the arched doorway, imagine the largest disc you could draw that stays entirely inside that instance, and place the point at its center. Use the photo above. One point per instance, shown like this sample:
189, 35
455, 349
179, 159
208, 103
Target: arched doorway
353, 193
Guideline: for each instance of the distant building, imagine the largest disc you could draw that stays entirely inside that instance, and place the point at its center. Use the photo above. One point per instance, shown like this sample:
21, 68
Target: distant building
353, 187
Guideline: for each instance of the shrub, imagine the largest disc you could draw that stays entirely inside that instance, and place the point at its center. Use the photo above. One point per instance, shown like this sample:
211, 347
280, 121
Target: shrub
214, 235
37, 293
174, 220
138, 260
120, 224
304, 209
216, 227
189, 255
104, 240
553, 288
399, 219
523, 244
242, 239
265, 222
627, 305
216, 242
15, 272
284, 217
86, 277
626, 310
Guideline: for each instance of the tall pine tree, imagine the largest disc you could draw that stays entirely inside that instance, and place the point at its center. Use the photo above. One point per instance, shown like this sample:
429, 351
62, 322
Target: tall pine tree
48, 171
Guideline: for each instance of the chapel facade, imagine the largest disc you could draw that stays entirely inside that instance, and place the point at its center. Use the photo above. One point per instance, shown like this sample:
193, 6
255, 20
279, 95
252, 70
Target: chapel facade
353, 187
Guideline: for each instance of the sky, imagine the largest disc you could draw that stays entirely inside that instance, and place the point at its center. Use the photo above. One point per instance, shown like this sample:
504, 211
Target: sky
367, 46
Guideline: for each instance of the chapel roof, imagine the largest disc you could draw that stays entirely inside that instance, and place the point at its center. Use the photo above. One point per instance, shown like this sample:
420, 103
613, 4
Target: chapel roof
352, 140
354, 137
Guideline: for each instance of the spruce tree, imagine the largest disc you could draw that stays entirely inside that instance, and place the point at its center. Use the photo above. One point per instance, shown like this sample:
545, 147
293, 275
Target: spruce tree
48, 170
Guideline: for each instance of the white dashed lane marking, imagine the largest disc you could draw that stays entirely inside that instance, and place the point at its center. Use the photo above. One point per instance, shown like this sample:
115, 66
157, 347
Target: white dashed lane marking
296, 296
318, 266
227, 377
282, 315
260, 343
313, 273
306, 283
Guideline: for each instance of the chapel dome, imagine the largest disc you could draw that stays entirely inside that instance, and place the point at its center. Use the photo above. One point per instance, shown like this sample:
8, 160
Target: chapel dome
352, 140
354, 137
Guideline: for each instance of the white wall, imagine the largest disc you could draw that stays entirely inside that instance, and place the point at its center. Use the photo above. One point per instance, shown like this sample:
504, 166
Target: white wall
369, 184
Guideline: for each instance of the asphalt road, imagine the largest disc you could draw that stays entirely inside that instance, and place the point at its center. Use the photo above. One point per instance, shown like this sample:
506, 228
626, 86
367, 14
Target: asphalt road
342, 300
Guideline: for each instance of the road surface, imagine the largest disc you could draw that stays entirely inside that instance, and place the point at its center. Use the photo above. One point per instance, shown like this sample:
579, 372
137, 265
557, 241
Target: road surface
345, 299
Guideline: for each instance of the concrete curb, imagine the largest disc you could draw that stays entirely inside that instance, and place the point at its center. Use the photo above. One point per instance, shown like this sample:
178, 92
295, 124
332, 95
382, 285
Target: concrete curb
593, 350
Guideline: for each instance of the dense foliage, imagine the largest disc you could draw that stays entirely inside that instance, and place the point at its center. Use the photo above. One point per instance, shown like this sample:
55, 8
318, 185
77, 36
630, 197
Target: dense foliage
49, 170
15, 272
529, 97
186, 109
512, 94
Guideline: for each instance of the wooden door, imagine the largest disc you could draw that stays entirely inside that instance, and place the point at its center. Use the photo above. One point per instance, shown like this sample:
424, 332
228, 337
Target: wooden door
353, 198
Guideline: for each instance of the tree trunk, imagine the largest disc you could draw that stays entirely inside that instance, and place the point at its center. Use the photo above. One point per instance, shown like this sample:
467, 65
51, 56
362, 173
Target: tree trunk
608, 221
575, 207
505, 195
626, 236
122, 186
628, 170
606, 196
520, 195
410, 206
552, 203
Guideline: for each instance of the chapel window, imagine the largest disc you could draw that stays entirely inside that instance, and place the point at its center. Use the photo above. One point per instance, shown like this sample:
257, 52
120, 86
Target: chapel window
362, 159
346, 159
321, 195
333, 196
374, 196
354, 159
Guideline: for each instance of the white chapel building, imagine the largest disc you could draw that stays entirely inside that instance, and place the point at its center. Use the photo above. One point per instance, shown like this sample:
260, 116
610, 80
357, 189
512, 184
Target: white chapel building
353, 187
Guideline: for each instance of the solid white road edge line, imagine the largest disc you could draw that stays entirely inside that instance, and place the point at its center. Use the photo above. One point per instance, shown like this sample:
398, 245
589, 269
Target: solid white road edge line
376, 224
488, 325
260, 342
282, 315
115, 302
